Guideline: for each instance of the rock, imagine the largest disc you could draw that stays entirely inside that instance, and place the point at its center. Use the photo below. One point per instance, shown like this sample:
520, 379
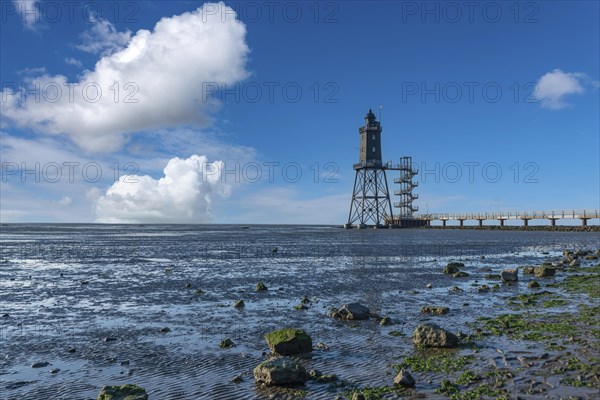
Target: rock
385, 321
575, 263
453, 268
591, 257
109, 339
460, 274
300, 307
239, 304
533, 285
322, 346
40, 364
85, 282
510, 275
436, 310
71, 350
280, 371
358, 396
543, 272
352, 311
288, 341
261, 287
165, 330
54, 370
492, 276
123, 392
483, 289
455, 289
431, 335
188, 285
404, 379
319, 377
429, 286
237, 379
226, 343
528, 270
305, 300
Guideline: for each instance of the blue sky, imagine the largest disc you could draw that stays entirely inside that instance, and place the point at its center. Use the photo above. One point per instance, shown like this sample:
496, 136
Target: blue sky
499, 87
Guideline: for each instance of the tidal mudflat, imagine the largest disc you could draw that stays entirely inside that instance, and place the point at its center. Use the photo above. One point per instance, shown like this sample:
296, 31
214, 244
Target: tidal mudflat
179, 311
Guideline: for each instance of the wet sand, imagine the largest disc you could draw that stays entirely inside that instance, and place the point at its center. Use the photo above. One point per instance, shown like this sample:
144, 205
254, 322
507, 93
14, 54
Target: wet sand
111, 311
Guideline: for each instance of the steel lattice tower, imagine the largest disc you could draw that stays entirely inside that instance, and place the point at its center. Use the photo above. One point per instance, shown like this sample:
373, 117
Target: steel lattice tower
371, 205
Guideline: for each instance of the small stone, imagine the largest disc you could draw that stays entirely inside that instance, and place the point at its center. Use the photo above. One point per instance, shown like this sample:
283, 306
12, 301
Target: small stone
352, 311
237, 379
431, 335
455, 289
483, 289
124, 363
322, 346
460, 274
85, 282
124, 392
260, 287
71, 350
510, 275
429, 286
239, 304
436, 310
300, 307
305, 300
40, 364
109, 339
575, 263
288, 341
358, 396
544, 272
533, 285
528, 270
226, 344
274, 250
280, 371
492, 276
54, 370
188, 285
453, 268
165, 330
404, 379
5, 315
385, 321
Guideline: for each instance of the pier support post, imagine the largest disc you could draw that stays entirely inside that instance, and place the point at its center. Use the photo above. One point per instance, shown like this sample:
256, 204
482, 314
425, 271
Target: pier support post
444, 222
584, 221
462, 222
553, 221
480, 222
525, 221
501, 222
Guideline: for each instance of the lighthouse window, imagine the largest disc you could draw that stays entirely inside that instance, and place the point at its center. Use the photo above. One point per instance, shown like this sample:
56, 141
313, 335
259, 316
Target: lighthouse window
373, 149
373, 137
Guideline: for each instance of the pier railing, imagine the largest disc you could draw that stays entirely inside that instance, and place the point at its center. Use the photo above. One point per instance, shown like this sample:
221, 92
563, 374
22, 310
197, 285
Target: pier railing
522, 215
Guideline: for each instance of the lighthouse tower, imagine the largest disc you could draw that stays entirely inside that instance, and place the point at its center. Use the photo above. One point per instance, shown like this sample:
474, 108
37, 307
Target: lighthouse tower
370, 206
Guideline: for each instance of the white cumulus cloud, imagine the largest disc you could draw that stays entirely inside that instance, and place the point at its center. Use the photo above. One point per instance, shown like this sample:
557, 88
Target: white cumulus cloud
553, 86
29, 11
183, 195
103, 38
158, 77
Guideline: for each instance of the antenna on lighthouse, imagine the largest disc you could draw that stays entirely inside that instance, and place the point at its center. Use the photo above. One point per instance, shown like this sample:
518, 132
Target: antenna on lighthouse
380, 107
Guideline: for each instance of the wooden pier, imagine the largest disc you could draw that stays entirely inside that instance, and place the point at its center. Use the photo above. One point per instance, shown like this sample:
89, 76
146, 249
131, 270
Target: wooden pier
502, 216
